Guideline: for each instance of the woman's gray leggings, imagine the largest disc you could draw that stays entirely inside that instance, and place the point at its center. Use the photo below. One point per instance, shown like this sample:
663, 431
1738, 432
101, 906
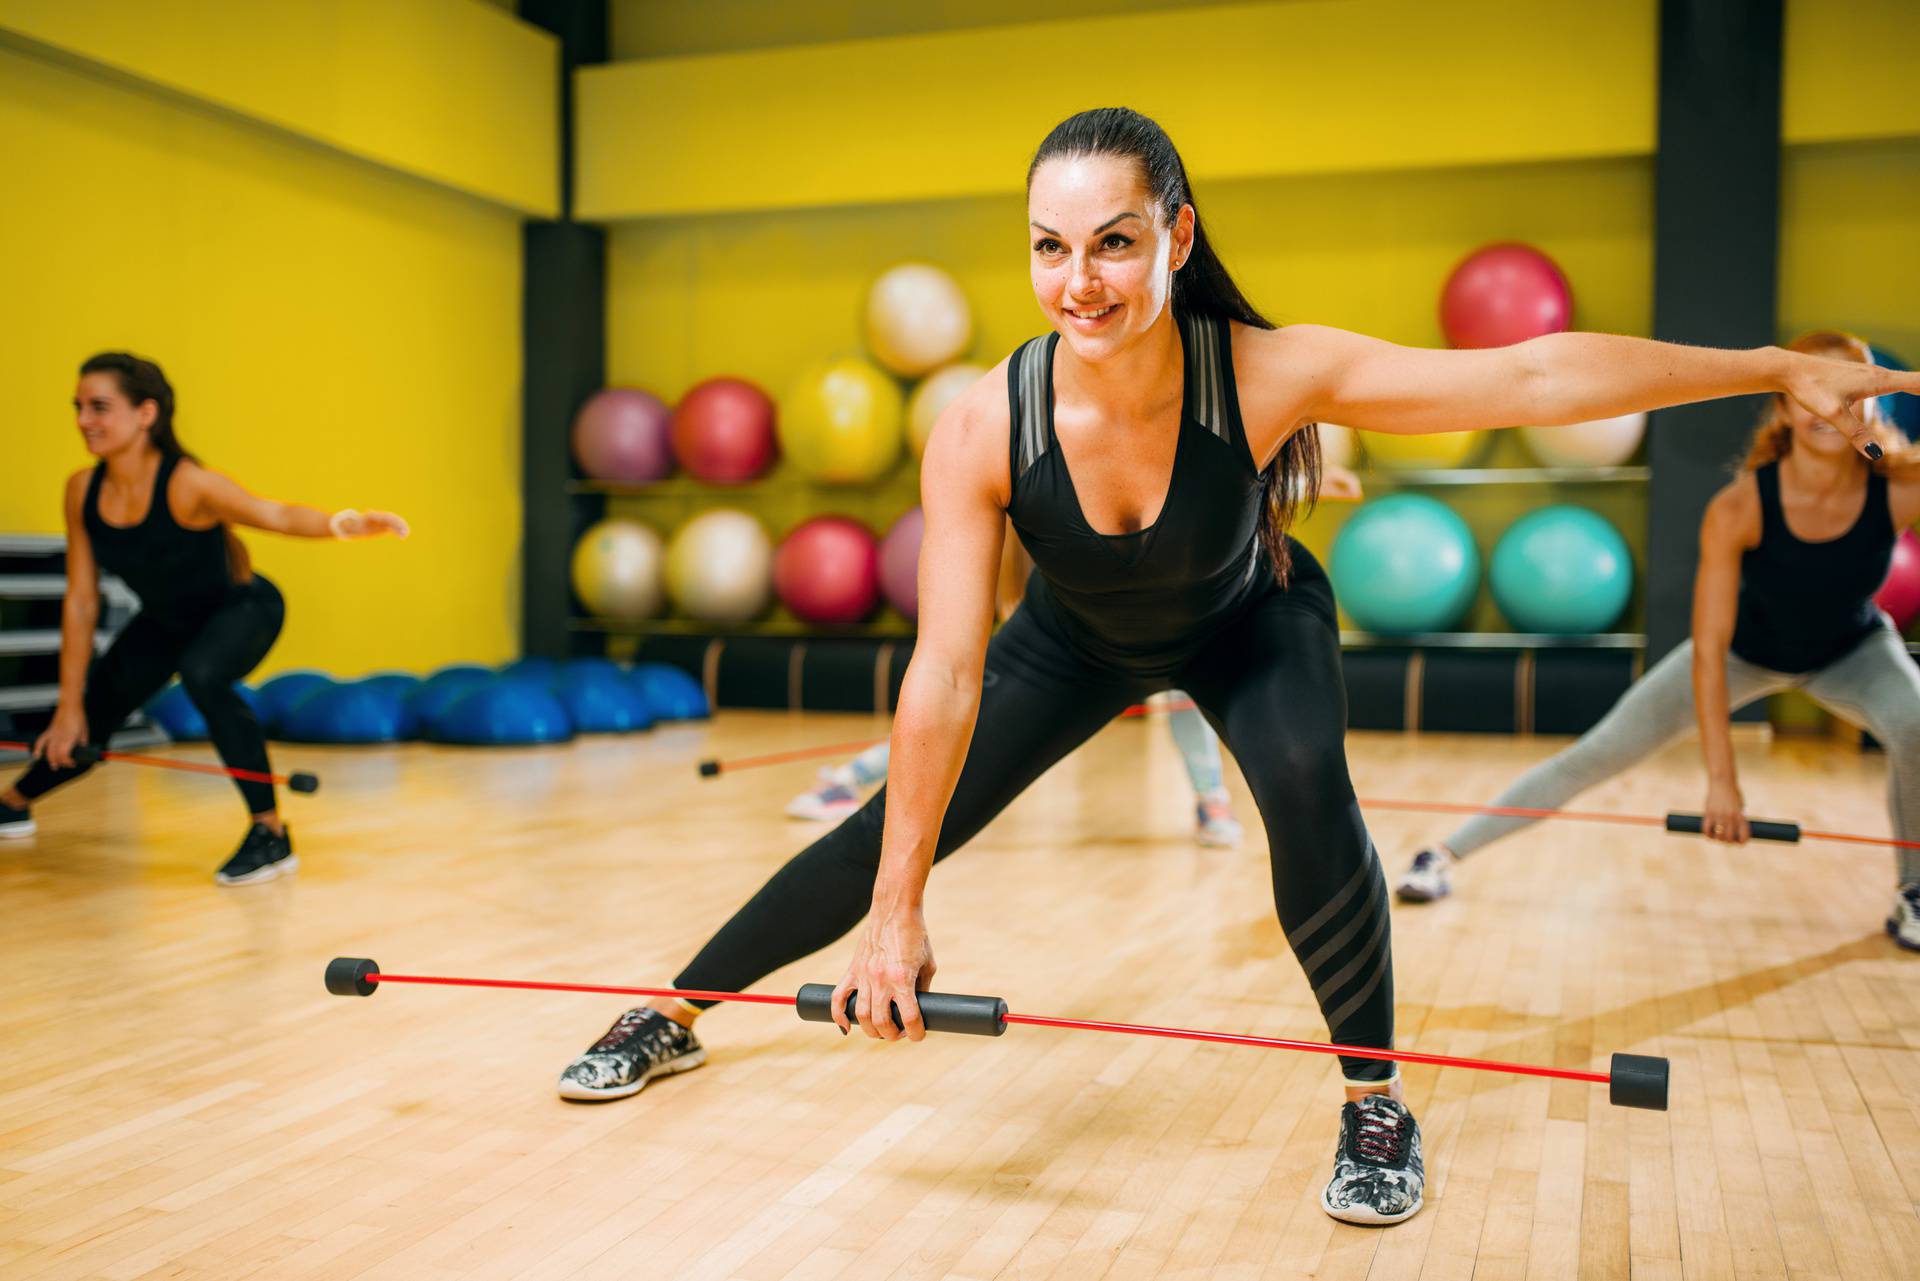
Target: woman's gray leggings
1876, 684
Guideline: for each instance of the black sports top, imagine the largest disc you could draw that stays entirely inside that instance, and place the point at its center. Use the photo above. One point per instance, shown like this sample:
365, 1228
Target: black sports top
1148, 600
1804, 605
180, 575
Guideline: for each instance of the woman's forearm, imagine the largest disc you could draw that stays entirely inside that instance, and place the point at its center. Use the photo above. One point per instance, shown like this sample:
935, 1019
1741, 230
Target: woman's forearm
1710, 707
931, 733
1579, 376
78, 620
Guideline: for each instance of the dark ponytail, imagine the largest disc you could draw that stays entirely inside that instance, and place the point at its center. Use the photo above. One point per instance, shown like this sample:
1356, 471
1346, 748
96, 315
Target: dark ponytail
1201, 287
140, 381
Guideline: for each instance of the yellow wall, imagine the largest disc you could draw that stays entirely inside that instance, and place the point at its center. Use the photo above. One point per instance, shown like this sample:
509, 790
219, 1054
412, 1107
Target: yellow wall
449, 90
338, 335
1249, 90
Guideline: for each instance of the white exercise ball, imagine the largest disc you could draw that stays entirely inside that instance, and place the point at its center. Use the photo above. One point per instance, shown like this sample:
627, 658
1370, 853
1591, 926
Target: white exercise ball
918, 319
1604, 442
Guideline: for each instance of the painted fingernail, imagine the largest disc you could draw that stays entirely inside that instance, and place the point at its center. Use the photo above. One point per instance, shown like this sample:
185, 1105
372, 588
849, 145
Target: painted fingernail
1874, 451
843, 1031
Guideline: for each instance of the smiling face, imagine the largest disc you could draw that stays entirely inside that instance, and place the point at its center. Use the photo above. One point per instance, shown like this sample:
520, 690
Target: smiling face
107, 420
1814, 434
1101, 255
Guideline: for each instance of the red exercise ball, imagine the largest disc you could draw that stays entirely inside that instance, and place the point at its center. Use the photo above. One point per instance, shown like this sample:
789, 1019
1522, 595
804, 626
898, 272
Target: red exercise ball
723, 431
620, 435
900, 564
828, 571
1504, 294
1900, 594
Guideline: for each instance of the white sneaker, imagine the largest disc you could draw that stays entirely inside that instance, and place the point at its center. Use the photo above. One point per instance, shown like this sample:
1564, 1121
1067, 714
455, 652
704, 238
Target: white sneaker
16, 822
1903, 919
1428, 878
831, 801
1214, 824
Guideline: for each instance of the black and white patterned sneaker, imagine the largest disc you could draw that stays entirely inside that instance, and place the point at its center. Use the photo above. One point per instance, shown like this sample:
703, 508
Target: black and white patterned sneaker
263, 855
641, 1045
1378, 1176
1903, 918
16, 822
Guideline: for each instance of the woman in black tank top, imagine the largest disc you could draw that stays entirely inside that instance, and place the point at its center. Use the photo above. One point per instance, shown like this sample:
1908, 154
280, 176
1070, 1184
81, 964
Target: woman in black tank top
1792, 553
1150, 452
150, 514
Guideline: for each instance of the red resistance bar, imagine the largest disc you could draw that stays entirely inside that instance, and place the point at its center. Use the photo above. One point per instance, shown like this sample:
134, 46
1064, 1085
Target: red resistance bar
86, 754
1041, 1020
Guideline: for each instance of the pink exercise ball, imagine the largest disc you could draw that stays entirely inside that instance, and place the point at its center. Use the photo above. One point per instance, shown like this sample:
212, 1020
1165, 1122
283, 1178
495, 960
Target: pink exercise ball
723, 431
1900, 594
900, 564
620, 435
828, 571
1504, 294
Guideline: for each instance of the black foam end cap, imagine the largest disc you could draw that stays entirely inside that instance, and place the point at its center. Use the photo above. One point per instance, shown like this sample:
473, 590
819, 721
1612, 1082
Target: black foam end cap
709, 769
1638, 1081
347, 976
304, 782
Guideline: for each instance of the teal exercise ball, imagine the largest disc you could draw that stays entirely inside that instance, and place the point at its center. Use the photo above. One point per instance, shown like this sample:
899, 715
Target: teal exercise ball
1562, 570
1405, 564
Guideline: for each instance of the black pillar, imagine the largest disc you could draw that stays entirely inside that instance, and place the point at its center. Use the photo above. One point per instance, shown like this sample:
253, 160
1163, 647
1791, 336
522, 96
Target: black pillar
562, 347
1715, 250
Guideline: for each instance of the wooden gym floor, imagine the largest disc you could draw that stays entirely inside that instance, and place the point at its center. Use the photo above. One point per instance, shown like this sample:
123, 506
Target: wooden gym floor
180, 1098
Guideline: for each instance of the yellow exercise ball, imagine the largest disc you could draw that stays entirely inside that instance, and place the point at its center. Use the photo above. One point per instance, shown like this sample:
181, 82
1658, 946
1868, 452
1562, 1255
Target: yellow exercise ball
1419, 453
918, 319
840, 424
616, 569
720, 567
931, 398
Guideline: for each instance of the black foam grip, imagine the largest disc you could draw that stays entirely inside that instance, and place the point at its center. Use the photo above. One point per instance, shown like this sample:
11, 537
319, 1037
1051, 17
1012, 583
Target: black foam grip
1638, 1081
1763, 829
939, 1011
347, 976
709, 768
86, 754
303, 782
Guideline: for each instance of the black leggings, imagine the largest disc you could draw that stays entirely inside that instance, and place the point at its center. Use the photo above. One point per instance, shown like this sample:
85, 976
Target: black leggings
1270, 684
210, 658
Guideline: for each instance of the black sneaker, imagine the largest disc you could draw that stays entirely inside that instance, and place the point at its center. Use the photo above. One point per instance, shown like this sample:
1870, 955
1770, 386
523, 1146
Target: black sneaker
16, 822
641, 1045
1378, 1176
263, 855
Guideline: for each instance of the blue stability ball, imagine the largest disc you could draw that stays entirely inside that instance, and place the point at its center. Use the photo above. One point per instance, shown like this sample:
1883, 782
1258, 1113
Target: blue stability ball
1405, 564
398, 686
601, 699
1563, 570
534, 668
360, 712
503, 712
1902, 411
671, 693
282, 692
439, 691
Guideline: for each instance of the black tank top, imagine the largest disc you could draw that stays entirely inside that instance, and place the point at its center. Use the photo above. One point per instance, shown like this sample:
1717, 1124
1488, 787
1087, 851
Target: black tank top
180, 575
1804, 605
1147, 601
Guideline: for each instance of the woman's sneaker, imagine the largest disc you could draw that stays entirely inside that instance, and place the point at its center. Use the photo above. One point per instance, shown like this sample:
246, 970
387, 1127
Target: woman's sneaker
263, 855
831, 800
16, 822
1378, 1176
1214, 824
1428, 878
641, 1045
1903, 921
